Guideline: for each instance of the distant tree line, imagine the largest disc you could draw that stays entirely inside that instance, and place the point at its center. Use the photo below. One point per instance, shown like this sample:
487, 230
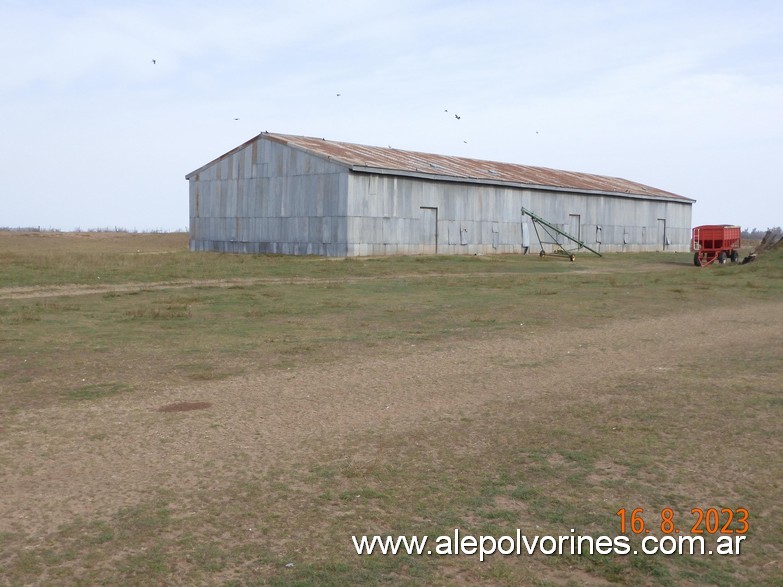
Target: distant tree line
758, 233
79, 229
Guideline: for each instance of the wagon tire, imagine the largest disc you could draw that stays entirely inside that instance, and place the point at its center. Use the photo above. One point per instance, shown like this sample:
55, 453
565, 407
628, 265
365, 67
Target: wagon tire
573, 258
722, 257
735, 256
696, 260
542, 253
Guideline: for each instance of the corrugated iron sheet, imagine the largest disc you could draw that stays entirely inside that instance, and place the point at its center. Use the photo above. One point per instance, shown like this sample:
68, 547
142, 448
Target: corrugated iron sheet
389, 159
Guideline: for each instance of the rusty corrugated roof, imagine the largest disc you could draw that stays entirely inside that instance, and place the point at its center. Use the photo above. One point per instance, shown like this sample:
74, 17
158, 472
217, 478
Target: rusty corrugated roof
368, 158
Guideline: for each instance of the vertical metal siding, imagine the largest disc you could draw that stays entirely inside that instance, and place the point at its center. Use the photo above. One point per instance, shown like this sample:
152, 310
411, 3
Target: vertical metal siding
267, 198
270, 197
475, 218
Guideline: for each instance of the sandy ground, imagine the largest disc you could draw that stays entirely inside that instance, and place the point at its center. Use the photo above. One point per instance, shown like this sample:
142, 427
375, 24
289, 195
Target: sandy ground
89, 458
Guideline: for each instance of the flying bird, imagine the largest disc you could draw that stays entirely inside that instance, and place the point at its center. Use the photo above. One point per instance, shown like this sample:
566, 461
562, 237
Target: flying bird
457, 116
154, 61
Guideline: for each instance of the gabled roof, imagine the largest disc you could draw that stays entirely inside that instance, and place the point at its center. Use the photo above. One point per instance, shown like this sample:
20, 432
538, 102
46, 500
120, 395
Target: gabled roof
386, 160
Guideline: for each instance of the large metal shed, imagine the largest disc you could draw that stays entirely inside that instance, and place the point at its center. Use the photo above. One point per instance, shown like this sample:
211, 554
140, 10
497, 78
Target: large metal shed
307, 196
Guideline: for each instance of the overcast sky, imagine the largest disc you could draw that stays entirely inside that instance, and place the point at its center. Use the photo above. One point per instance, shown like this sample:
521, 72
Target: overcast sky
686, 95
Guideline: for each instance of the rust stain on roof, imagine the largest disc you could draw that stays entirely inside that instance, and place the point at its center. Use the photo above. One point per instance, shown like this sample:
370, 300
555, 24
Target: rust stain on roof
446, 166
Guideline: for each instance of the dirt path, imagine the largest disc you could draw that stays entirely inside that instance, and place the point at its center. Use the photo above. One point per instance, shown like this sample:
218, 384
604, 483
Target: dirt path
48, 291
90, 458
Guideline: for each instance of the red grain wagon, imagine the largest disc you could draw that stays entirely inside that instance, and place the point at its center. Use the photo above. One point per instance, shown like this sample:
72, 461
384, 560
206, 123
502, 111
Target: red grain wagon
715, 242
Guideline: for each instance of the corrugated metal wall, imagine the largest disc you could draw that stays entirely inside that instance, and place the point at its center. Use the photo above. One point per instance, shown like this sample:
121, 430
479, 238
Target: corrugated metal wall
394, 215
267, 197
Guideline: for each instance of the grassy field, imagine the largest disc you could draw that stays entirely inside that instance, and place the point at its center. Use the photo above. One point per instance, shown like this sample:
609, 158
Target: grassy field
177, 418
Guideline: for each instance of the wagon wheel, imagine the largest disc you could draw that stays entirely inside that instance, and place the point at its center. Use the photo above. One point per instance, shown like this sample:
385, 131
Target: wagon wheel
572, 257
722, 257
696, 260
734, 256
542, 253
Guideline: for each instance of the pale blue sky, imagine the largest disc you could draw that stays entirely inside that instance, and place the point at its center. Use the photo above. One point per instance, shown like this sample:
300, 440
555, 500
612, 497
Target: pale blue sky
686, 96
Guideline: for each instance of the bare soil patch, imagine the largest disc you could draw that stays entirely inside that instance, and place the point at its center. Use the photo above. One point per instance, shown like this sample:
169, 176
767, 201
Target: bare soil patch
185, 406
